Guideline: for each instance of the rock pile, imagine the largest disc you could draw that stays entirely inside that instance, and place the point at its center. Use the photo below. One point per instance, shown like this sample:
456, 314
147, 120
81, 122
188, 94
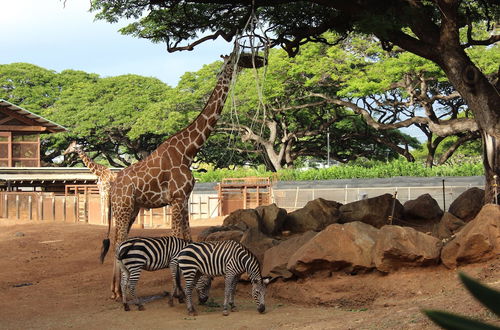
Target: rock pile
370, 234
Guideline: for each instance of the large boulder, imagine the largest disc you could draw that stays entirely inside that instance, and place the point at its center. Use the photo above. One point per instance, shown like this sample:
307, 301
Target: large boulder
399, 247
424, 207
272, 219
448, 226
339, 247
315, 215
375, 211
202, 236
243, 219
226, 235
257, 242
479, 240
468, 204
276, 258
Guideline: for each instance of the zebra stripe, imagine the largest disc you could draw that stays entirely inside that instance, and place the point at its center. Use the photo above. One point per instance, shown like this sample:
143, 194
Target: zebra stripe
221, 258
147, 253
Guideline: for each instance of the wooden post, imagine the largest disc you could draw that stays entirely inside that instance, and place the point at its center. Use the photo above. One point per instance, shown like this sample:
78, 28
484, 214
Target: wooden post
151, 218
6, 206
17, 207
40, 207
245, 197
209, 214
53, 208
75, 208
444, 198
296, 198
30, 207
64, 208
199, 208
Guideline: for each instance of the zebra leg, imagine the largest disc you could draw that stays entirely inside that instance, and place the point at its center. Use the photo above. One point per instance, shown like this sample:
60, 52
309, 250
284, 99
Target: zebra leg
177, 291
191, 280
227, 293
203, 287
132, 283
124, 288
231, 293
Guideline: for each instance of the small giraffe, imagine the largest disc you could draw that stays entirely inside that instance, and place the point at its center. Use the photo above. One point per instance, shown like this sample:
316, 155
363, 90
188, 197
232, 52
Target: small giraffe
104, 176
164, 177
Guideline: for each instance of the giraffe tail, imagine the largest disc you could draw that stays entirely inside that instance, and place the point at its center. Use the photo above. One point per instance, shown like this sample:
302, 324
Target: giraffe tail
105, 242
104, 249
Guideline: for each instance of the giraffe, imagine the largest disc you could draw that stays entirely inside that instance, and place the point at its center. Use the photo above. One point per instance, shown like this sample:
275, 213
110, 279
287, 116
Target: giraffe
104, 176
164, 177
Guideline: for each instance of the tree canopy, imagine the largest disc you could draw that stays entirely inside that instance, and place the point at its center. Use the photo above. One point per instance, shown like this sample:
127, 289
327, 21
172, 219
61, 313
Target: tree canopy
437, 30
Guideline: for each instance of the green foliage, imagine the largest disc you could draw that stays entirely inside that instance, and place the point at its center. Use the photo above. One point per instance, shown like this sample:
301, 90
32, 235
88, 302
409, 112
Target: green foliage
487, 296
369, 169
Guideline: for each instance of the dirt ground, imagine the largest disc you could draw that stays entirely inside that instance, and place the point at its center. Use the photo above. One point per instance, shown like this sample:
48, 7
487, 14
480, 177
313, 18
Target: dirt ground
50, 278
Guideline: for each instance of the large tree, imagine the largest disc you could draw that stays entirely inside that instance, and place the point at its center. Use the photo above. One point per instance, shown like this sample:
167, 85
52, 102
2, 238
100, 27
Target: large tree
430, 29
268, 120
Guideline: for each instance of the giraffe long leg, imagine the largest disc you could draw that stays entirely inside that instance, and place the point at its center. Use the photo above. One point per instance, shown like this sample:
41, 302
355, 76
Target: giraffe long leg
180, 218
124, 221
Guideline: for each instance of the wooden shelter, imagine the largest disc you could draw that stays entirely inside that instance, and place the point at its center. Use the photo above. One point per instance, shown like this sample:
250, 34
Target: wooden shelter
243, 193
20, 132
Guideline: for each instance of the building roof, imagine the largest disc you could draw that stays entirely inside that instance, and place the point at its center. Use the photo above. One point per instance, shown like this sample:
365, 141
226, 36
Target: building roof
46, 174
50, 125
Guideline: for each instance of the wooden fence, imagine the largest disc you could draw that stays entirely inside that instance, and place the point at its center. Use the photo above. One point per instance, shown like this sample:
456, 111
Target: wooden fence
85, 208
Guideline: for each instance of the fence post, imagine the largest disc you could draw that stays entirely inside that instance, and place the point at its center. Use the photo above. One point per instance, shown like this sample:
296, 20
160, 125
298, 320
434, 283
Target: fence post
209, 214
40, 207
345, 195
444, 198
30, 208
64, 208
6, 206
199, 201
75, 208
17, 207
296, 198
53, 208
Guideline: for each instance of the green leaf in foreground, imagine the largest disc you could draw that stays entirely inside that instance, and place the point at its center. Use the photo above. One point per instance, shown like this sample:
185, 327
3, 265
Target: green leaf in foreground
456, 322
487, 296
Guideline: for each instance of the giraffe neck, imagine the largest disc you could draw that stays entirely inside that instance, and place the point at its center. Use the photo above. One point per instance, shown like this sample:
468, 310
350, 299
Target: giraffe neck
196, 133
91, 165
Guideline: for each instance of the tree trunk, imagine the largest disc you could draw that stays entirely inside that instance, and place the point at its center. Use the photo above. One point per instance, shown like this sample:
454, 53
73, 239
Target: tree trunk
491, 162
484, 100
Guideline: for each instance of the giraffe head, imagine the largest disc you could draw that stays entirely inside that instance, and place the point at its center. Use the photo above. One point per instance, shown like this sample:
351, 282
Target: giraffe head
73, 147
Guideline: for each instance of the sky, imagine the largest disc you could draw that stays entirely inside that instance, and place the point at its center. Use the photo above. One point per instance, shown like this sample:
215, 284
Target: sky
55, 36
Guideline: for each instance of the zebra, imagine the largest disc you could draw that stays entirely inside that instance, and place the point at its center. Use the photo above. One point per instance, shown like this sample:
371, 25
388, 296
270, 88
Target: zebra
152, 253
217, 258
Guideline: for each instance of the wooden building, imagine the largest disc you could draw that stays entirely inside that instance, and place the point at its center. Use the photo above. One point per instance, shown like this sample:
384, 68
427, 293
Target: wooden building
20, 132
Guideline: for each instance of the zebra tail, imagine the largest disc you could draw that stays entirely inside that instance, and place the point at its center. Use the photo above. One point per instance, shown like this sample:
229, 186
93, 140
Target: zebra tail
178, 276
124, 252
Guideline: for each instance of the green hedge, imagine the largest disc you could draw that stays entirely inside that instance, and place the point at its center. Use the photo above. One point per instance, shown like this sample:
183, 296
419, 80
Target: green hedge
370, 170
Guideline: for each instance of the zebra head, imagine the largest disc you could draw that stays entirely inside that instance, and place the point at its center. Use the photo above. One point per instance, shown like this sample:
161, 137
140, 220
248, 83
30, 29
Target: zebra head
259, 293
